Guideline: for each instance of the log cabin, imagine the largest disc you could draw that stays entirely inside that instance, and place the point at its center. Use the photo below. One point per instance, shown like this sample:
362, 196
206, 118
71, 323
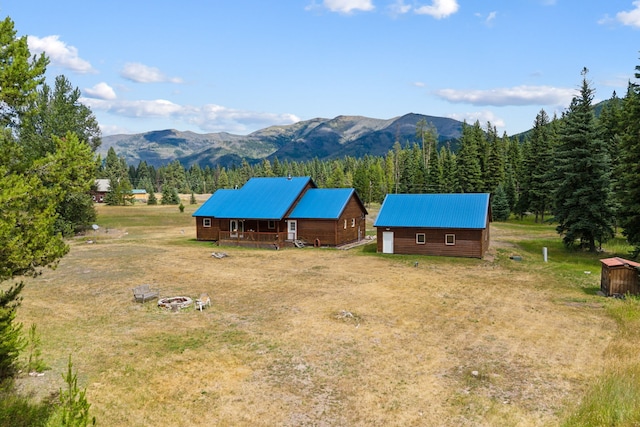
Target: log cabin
282, 211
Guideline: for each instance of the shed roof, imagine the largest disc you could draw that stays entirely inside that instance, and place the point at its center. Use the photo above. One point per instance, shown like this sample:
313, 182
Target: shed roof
259, 198
618, 262
468, 210
323, 203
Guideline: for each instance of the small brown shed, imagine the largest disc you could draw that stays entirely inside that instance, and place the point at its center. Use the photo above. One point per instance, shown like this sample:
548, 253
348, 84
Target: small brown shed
619, 277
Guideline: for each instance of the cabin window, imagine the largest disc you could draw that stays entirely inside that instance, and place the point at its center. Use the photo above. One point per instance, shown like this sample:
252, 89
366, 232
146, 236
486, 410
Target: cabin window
353, 222
421, 239
345, 224
449, 239
271, 225
206, 222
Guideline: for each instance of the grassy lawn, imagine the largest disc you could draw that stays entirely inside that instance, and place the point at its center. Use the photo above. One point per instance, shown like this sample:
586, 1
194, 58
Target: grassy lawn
328, 337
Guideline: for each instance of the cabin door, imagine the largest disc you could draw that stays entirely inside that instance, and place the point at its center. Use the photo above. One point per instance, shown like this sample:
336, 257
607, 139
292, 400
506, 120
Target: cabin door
292, 230
236, 227
387, 242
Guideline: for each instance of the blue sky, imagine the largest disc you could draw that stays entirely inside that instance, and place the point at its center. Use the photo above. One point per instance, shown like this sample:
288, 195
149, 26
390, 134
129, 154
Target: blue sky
242, 65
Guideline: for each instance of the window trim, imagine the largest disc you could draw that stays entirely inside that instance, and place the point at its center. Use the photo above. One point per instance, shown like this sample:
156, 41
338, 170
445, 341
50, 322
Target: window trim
353, 222
271, 224
345, 223
424, 238
206, 222
446, 239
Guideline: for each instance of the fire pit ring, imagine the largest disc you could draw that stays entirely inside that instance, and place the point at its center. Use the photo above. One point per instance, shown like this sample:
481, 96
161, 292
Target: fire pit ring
175, 303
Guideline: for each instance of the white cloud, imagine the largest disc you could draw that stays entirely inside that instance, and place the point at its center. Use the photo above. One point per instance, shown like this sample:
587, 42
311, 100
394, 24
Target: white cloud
399, 8
348, 6
439, 9
518, 95
632, 17
140, 73
101, 91
483, 117
491, 17
59, 53
209, 118
215, 118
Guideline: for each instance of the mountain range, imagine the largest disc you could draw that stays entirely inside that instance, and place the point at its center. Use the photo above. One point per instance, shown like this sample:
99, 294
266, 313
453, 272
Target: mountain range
320, 138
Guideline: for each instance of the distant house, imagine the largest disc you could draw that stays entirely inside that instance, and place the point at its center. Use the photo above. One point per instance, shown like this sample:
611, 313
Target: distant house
619, 276
434, 224
100, 190
139, 195
280, 211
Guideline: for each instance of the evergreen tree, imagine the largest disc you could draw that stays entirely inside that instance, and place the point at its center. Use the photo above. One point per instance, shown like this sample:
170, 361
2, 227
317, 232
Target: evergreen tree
28, 241
120, 188
540, 185
583, 197
20, 76
469, 172
435, 172
449, 170
152, 199
169, 196
513, 171
628, 183
495, 169
500, 205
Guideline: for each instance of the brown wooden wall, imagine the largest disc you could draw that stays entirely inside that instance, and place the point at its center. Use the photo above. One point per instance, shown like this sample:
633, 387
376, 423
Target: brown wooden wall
208, 233
222, 224
471, 243
353, 210
333, 232
619, 280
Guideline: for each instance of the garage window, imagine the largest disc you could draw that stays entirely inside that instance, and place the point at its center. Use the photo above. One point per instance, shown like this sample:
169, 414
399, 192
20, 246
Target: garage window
449, 239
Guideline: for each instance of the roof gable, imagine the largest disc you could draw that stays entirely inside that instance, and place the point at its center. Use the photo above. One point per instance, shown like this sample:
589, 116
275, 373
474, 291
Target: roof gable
322, 203
259, 198
468, 210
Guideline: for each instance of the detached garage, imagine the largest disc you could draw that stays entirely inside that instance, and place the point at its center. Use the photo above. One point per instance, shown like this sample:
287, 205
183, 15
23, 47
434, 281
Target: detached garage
434, 224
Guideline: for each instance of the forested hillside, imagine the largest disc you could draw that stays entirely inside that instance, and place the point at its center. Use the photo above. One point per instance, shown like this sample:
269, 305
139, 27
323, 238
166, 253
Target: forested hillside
324, 139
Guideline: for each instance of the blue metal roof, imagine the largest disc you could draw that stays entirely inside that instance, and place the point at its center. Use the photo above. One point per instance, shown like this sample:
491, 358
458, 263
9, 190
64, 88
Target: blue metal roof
259, 198
468, 210
322, 203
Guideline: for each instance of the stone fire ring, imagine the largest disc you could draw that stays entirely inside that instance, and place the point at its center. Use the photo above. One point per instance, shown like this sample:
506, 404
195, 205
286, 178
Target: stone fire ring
175, 303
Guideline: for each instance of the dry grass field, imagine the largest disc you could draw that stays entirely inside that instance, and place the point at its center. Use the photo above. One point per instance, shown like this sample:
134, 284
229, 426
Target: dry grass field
313, 337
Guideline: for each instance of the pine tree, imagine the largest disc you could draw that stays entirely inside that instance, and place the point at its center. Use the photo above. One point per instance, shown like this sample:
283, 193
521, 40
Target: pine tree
495, 170
582, 197
541, 163
500, 205
434, 173
152, 199
628, 183
468, 161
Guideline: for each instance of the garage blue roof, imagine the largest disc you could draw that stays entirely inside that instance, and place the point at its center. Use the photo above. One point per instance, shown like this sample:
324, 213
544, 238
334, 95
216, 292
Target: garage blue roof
468, 210
322, 203
259, 198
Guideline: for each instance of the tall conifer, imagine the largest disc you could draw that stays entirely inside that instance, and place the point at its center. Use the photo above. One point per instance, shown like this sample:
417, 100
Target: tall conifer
583, 197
